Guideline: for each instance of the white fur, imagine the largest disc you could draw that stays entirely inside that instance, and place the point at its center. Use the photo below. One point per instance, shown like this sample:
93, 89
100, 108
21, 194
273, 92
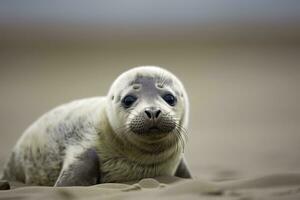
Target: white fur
102, 120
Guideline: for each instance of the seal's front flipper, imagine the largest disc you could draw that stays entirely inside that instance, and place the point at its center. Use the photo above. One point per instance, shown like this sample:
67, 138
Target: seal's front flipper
84, 170
183, 170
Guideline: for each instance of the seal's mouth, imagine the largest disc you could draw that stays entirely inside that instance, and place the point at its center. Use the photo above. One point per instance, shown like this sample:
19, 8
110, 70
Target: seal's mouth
154, 129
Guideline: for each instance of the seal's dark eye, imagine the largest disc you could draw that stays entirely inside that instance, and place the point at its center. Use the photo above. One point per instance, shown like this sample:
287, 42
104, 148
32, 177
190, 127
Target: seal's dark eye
128, 101
170, 99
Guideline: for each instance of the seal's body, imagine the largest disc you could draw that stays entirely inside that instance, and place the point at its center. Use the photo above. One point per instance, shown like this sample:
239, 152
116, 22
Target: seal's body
138, 130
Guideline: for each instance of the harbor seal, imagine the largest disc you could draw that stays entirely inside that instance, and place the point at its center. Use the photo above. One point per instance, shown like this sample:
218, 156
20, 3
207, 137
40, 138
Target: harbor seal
137, 131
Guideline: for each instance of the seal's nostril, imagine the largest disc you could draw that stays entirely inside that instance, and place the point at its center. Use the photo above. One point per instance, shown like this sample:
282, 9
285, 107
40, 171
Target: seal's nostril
157, 113
148, 113
152, 113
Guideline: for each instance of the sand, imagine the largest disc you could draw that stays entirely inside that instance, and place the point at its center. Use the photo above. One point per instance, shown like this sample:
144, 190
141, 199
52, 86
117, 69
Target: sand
276, 186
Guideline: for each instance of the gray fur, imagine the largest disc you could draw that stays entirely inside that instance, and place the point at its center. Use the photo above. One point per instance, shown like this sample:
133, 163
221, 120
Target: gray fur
64, 146
82, 172
41, 165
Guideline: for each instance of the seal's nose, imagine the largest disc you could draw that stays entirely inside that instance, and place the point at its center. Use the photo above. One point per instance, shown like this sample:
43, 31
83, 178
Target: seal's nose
152, 113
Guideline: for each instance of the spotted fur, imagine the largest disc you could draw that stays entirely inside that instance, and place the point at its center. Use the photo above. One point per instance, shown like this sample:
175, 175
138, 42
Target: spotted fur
56, 148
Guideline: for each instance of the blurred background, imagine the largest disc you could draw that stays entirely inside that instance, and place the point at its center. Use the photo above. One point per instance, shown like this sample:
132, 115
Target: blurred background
239, 61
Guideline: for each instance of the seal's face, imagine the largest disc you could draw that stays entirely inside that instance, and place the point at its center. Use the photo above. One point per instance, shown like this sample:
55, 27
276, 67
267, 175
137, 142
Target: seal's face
148, 102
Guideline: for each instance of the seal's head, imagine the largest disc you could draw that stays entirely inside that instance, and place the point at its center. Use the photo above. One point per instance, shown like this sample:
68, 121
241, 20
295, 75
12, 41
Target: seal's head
147, 103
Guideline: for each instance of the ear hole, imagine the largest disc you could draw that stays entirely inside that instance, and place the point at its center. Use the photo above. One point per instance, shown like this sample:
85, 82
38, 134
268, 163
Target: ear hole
112, 97
159, 85
136, 87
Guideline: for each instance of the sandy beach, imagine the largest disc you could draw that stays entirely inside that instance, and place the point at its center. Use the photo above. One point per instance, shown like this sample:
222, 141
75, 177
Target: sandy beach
280, 186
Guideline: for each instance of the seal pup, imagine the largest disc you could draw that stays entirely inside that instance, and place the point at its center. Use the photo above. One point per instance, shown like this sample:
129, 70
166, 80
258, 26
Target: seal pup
137, 131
